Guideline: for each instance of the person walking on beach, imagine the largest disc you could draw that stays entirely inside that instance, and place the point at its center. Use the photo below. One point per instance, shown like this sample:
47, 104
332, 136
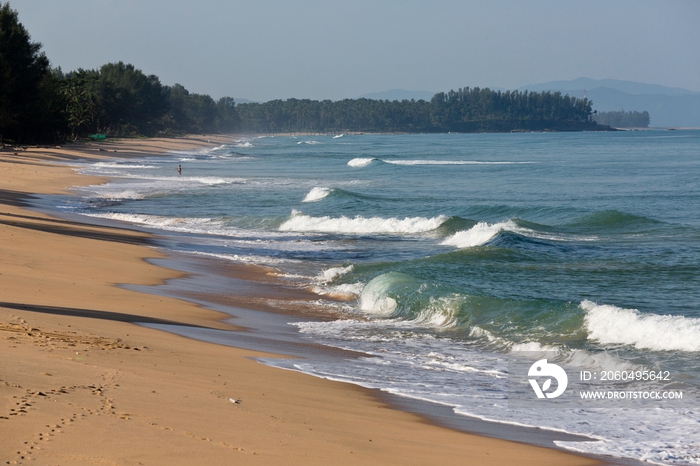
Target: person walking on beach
179, 169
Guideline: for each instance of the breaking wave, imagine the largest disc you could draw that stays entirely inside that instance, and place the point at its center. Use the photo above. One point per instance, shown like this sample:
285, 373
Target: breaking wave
361, 162
478, 235
360, 225
609, 324
316, 194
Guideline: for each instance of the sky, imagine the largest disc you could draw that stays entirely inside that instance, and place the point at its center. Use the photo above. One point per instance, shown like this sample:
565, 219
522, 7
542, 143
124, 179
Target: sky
263, 49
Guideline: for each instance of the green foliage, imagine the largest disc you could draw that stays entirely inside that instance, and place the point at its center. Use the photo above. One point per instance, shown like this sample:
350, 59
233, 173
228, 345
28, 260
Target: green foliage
621, 119
464, 110
121, 100
29, 103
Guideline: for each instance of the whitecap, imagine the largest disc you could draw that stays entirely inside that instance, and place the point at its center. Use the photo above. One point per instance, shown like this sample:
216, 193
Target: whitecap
316, 194
360, 225
450, 162
479, 234
361, 162
333, 273
612, 325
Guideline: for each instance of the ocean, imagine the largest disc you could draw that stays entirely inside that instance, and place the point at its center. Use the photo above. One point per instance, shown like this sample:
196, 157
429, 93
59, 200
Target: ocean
440, 257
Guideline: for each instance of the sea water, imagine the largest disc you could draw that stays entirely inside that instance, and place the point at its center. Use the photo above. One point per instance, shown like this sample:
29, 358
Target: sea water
438, 256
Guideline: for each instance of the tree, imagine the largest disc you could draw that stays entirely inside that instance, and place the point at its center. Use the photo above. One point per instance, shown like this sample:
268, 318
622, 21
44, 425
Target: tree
24, 74
133, 102
227, 117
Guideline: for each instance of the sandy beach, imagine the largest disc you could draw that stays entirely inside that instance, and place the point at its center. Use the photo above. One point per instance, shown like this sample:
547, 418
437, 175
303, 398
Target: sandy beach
81, 384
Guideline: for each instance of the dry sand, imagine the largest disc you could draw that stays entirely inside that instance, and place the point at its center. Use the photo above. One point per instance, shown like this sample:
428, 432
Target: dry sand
80, 384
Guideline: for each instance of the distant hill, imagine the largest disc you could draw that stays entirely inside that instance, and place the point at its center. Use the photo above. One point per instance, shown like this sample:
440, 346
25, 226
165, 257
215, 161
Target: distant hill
398, 94
667, 106
628, 87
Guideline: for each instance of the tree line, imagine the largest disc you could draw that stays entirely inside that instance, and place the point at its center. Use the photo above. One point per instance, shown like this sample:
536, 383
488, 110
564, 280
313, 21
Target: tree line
39, 103
464, 110
622, 119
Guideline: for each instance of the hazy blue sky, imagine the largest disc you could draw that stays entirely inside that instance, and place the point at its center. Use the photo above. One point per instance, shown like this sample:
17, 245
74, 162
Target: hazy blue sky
264, 50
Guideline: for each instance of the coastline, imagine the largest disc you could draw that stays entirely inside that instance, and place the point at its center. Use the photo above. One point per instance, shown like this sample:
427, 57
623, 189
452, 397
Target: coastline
82, 384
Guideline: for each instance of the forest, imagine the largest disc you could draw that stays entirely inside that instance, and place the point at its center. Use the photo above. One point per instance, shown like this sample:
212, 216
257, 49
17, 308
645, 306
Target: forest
464, 110
39, 103
622, 119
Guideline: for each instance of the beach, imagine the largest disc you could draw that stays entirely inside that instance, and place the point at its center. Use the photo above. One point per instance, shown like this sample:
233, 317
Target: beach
81, 384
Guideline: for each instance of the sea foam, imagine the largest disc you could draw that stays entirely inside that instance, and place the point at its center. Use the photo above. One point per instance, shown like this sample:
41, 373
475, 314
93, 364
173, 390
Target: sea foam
449, 162
360, 225
613, 325
328, 275
479, 234
316, 194
361, 162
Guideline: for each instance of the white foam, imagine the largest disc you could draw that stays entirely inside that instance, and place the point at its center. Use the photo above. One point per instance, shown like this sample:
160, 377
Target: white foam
333, 273
201, 151
316, 194
344, 292
479, 234
374, 299
361, 162
246, 259
440, 312
188, 225
532, 347
360, 225
120, 165
122, 194
613, 325
449, 162
244, 144
338, 136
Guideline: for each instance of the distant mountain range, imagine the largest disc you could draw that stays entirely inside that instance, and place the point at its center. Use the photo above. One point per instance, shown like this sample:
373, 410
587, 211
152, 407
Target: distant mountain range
667, 106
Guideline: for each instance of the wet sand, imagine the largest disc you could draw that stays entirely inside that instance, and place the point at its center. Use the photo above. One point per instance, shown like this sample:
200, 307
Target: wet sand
80, 383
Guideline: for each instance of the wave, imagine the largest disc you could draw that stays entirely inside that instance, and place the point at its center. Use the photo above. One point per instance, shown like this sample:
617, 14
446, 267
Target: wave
181, 224
376, 300
316, 194
338, 136
609, 324
361, 162
245, 259
333, 273
183, 180
360, 225
450, 162
397, 295
614, 220
308, 142
244, 144
344, 292
479, 234
364, 161
120, 165
202, 151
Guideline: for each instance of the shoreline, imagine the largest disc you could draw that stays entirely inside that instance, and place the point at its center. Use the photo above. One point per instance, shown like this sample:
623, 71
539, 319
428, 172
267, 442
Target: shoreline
82, 399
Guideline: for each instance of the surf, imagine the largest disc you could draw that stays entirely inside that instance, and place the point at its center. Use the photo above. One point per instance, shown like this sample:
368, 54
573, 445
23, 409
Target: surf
301, 222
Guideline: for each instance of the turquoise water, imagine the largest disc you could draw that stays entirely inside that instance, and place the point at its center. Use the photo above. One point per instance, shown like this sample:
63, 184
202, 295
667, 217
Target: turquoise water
443, 254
